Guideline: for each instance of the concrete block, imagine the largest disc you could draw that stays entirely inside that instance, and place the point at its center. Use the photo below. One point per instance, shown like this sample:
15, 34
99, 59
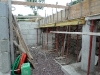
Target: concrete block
4, 46
31, 31
26, 41
0, 61
31, 42
4, 32
31, 26
5, 62
30, 36
25, 26
3, 10
9, 73
25, 31
24, 36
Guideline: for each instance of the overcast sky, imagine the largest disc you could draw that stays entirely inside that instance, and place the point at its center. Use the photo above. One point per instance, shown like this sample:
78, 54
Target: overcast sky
24, 10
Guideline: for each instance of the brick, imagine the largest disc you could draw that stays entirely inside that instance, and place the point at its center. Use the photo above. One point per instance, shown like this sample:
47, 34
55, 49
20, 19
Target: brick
4, 8
4, 32
4, 46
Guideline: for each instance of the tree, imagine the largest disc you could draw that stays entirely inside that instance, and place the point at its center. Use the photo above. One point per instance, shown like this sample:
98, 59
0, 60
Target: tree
35, 8
75, 2
20, 15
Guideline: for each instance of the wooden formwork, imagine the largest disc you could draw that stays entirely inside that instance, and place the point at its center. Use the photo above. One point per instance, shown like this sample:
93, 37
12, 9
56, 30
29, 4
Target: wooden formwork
82, 9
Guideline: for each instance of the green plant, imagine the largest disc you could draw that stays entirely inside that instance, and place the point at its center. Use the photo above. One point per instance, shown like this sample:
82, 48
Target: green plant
35, 8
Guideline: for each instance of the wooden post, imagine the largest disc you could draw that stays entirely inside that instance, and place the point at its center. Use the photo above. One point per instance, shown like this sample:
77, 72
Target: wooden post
53, 16
57, 12
45, 18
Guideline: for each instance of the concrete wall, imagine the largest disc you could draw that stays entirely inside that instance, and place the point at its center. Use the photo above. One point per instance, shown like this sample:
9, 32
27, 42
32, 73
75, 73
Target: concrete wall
4, 41
50, 40
29, 33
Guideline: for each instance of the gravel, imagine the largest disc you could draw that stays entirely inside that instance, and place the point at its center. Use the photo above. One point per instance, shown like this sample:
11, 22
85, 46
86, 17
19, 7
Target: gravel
44, 63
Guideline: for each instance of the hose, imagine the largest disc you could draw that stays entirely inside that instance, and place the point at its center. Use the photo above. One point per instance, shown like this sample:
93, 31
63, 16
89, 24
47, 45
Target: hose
15, 65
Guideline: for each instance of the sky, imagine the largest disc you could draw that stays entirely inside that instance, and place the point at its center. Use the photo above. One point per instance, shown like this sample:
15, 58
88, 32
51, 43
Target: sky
25, 10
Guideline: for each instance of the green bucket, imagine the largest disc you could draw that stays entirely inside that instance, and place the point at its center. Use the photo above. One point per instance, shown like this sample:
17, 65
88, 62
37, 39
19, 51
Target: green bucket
25, 69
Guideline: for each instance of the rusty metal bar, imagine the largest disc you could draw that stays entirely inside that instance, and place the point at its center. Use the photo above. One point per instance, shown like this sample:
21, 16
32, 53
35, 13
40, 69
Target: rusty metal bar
99, 57
90, 51
57, 41
77, 44
63, 39
37, 36
47, 38
68, 43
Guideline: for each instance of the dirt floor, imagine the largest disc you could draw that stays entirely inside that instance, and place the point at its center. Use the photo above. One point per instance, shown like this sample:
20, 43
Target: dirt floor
44, 62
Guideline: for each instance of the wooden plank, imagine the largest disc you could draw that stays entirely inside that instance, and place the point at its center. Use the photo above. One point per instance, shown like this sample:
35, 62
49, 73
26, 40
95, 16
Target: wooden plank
31, 62
37, 4
19, 47
22, 43
73, 22
79, 33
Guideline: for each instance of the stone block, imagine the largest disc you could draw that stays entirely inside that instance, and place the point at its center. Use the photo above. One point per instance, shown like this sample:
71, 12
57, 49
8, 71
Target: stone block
5, 62
4, 32
4, 46
4, 8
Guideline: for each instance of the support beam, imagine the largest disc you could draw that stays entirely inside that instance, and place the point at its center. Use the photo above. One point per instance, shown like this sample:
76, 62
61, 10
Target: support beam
73, 22
88, 49
37, 4
77, 44
56, 36
91, 53
75, 33
68, 44
37, 36
47, 38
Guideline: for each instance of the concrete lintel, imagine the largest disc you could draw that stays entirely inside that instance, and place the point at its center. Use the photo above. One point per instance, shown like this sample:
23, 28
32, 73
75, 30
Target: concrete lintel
93, 17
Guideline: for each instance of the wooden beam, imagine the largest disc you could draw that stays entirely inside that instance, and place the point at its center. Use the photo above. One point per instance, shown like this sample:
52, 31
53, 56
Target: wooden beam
80, 33
37, 4
73, 22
